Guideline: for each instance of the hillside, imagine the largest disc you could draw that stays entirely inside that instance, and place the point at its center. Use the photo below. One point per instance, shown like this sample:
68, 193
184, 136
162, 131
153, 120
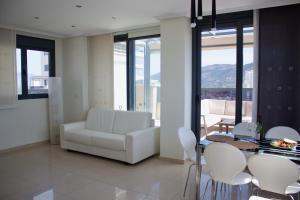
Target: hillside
221, 75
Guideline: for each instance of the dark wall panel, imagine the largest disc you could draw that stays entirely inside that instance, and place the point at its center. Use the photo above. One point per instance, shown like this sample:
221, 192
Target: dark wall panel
279, 69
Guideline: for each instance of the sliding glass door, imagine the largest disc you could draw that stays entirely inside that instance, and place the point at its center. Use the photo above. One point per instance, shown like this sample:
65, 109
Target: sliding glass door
147, 76
222, 73
218, 81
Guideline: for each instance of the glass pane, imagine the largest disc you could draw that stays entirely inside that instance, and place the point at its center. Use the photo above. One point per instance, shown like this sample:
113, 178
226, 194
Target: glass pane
218, 90
139, 75
154, 104
19, 71
120, 76
38, 71
248, 74
147, 76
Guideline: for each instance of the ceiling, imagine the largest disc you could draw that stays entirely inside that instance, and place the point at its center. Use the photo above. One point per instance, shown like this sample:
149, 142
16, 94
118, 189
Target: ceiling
56, 17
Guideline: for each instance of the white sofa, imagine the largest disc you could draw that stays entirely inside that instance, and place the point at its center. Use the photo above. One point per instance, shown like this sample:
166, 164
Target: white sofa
120, 135
214, 110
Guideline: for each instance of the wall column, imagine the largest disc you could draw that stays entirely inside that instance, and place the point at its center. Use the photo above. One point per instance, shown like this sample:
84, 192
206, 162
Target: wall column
176, 84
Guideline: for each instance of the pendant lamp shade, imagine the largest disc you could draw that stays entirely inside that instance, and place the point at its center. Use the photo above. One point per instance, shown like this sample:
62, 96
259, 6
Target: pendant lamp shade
213, 16
199, 14
193, 14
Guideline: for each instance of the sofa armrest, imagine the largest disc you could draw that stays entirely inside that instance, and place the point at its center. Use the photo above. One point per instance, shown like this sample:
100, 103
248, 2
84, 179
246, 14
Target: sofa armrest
142, 144
65, 127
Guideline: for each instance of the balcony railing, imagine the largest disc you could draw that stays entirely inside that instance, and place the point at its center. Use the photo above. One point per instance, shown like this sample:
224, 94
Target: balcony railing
225, 93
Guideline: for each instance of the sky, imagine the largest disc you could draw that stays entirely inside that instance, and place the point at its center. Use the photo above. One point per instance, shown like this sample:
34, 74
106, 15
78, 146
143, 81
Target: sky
225, 56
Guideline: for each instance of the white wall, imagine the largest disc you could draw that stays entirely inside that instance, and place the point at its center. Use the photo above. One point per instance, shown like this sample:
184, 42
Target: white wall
75, 79
27, 122
176, 70
101, 84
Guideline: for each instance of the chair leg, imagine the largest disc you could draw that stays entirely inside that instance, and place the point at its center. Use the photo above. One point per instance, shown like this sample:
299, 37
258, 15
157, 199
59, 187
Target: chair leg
221, 190
249, 189
216, 191
213, 190
206, 188
187, 179
291, 196
225, 186
230, 187
240, 192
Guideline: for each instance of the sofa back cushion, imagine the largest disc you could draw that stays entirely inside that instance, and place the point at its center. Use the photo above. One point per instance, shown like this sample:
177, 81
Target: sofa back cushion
100, 120
229, 108
217, 106
204, 106
248, 108
127, 121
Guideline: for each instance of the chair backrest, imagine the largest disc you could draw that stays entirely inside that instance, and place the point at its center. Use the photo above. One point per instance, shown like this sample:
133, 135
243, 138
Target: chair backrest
188, 142
224, 161
280, 132
245, 129
273, 173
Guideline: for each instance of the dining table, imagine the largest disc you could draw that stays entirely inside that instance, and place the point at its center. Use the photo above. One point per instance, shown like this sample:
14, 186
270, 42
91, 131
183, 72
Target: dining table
245, 144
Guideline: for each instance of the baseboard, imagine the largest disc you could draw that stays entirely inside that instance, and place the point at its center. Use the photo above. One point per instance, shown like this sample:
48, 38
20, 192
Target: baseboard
173, 160
22, 147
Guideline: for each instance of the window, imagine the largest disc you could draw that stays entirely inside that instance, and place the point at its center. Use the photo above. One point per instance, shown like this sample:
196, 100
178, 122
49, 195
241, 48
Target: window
35, 64
137, 74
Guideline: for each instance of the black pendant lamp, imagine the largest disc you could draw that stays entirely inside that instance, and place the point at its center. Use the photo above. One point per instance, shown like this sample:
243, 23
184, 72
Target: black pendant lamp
199, 14
193, 14
213, 16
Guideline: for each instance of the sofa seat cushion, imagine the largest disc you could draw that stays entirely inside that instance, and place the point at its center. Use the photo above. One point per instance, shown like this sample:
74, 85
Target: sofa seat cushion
210, 120
126, 121
80, 136
108, 141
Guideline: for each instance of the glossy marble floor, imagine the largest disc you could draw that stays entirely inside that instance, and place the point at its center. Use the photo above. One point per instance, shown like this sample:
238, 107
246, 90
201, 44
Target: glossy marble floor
47, 172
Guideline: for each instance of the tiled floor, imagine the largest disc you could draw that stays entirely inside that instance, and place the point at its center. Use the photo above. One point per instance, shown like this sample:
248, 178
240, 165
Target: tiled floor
48, 173
49, 170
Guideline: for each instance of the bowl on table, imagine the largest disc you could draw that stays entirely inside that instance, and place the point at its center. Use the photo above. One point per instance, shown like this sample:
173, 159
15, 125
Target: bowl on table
284, 144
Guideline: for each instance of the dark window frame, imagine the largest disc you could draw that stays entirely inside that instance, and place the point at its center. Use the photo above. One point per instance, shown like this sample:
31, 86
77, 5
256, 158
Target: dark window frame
130, 65
238, 20
25, 43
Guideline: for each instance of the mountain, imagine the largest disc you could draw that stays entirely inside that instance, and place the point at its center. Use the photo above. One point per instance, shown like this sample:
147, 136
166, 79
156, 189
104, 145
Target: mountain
217, 76
221, 75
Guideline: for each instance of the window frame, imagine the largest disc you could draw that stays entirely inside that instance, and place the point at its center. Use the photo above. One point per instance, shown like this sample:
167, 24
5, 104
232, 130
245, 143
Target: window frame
25, 43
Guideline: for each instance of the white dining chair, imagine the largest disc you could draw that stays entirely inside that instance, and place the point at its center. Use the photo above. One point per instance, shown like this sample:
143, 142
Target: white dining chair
280, 132
188, 142
245, 129
226, 164
274, 174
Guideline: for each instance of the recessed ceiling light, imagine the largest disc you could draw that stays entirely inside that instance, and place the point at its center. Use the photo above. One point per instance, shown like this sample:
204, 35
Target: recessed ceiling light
73, 26
36, 18
114, 18
78, 6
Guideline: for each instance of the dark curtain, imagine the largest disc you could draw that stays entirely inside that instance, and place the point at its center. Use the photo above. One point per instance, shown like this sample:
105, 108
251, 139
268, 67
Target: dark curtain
279, 67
